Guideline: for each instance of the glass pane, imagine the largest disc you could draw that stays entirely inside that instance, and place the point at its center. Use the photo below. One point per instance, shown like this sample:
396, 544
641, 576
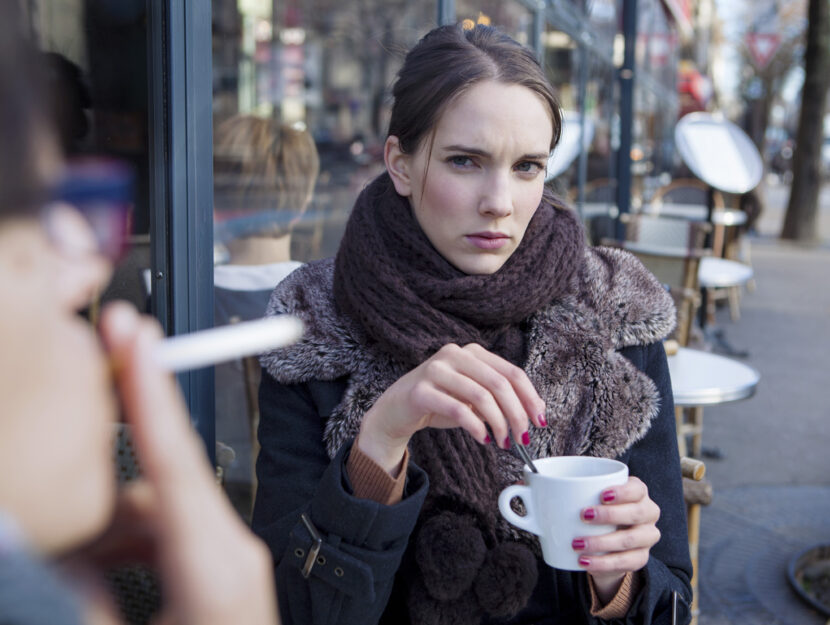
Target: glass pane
95, 52
300, 105
511, 16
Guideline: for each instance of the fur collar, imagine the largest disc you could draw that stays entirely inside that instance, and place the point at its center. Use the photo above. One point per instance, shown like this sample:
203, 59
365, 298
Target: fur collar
598, 403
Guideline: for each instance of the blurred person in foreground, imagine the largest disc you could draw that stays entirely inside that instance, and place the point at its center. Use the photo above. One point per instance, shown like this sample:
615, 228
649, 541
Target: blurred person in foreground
63, 522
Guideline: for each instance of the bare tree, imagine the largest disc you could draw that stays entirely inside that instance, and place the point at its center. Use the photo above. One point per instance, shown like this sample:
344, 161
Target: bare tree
800, 224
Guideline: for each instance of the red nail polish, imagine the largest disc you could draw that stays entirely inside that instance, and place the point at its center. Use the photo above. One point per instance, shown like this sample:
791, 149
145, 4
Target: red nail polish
487, 439
526, 439
608, 496
589, 514
578, 544
541, 420
583, 561
507, 443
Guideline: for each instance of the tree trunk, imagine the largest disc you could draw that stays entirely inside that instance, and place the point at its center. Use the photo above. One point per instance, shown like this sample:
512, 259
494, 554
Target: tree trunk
800, 223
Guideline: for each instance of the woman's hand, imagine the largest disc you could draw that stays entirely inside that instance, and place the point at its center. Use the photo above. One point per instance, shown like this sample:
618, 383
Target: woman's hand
467, 387
626, 550
213, 570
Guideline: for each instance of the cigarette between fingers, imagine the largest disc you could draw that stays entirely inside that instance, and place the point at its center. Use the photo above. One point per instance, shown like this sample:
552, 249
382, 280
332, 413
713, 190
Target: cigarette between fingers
210, 347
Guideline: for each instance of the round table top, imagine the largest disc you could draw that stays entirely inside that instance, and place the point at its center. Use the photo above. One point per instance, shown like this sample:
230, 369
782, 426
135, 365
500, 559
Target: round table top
721, 272
702, 379
698, 212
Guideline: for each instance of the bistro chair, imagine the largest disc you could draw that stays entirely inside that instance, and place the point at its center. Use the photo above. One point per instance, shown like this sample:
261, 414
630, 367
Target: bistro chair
601, 194
672, 250
687, 191
726, 230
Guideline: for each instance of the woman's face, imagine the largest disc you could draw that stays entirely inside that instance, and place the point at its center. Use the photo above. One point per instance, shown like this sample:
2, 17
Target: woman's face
476, 190
56, 432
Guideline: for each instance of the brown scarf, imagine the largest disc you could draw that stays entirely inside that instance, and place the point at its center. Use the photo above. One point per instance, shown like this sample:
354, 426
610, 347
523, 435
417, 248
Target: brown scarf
411, 301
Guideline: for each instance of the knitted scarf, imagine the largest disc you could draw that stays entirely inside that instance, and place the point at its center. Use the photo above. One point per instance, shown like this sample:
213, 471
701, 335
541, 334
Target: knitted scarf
410, 301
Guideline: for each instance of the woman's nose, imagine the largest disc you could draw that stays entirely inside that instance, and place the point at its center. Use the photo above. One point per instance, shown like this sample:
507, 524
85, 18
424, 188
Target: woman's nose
496, 199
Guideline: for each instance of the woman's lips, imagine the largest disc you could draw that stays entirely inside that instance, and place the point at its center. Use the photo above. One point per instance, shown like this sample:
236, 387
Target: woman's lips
488, 240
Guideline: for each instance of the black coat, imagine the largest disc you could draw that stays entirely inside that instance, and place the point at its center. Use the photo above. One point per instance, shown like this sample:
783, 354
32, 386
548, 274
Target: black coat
596, 358
367, 540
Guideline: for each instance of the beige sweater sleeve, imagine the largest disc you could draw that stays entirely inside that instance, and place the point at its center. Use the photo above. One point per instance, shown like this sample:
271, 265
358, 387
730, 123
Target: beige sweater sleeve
370, 481
621, 602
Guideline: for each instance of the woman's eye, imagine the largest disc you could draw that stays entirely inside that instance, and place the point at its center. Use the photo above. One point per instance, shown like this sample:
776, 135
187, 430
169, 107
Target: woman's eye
460, 161
529, 167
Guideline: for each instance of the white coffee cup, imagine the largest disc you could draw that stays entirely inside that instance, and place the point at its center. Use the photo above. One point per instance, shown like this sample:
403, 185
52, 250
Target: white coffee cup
554, 499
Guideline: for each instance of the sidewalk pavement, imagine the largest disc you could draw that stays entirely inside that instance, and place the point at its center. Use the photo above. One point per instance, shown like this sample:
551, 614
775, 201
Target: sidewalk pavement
772, 483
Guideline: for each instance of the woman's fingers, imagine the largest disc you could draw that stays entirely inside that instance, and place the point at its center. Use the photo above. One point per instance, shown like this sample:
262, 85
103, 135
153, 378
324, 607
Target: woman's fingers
628, 504
443, 409
496, 390
622, 540
532, 404
629, 507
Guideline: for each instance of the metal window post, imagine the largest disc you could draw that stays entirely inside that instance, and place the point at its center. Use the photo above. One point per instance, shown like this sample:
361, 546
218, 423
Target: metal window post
182, 193
446, 12
626, 78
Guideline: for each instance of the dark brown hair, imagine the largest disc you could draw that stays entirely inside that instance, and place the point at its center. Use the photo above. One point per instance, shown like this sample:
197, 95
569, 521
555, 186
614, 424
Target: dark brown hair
28, 137
448, 61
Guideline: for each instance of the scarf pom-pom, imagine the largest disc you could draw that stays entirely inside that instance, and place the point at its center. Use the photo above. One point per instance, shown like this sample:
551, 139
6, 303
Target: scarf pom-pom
506, 580
449, 551
424, 609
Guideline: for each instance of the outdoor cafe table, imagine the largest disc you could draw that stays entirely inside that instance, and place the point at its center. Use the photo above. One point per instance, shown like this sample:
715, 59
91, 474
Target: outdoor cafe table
703, 379
697, 212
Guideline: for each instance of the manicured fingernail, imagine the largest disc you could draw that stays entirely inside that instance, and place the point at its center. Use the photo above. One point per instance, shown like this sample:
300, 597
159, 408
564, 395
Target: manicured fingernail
578, 544
507, 443
583, 561
487, 440
541, 419
608, 496
526, 439
589, 514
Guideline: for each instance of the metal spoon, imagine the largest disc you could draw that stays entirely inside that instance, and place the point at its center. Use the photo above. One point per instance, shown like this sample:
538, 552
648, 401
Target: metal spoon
524, 454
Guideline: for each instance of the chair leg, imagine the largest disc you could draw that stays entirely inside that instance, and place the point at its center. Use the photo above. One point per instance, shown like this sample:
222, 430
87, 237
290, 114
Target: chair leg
693, 516
734, 295
679, 424
696, 419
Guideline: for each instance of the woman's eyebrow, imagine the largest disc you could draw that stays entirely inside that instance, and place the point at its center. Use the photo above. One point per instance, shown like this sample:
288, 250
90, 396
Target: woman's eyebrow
480, 152
466, 149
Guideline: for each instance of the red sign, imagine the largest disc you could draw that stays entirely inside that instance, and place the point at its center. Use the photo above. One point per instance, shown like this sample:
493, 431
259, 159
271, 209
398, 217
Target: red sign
762, 47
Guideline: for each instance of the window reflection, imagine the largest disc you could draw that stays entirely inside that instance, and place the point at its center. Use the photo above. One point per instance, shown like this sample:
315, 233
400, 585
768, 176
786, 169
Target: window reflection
300, 112
95, 53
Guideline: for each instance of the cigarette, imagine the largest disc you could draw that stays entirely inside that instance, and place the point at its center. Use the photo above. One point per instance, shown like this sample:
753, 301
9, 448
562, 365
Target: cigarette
210, 347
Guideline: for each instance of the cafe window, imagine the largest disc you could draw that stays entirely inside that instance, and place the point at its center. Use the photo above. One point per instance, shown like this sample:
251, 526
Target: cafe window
95, 56
583, 74
300, 112
656, 108
511, 16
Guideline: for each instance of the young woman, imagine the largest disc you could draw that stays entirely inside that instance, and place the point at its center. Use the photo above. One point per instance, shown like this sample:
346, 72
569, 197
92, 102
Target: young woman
463, 314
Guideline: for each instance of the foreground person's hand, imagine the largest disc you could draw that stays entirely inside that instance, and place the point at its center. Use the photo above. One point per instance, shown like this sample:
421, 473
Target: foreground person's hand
213, 570
467, 387
627, 549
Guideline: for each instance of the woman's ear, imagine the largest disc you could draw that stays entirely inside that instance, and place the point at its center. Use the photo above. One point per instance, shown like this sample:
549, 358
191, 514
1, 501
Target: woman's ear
398, 166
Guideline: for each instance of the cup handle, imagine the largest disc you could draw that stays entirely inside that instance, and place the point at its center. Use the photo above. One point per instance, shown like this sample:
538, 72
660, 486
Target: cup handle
527, 522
